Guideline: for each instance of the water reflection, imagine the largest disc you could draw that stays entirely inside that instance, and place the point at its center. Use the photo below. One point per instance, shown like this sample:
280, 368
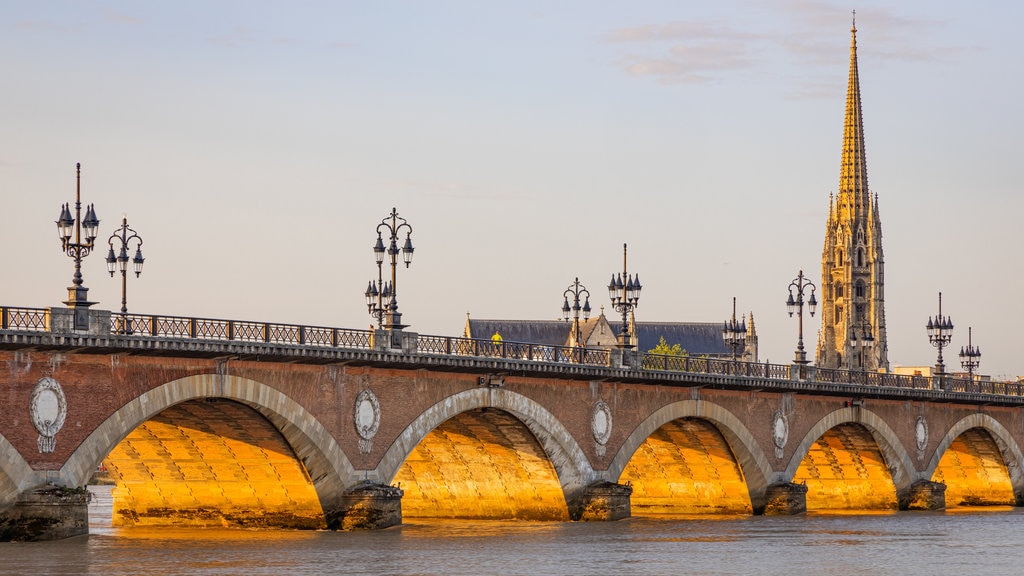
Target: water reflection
911, 543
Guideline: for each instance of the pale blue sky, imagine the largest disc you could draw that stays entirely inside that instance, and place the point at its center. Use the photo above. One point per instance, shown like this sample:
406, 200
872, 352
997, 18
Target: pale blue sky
256, 145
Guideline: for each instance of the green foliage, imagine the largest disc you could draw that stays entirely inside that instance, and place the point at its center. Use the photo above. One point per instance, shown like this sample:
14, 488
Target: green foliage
665, 349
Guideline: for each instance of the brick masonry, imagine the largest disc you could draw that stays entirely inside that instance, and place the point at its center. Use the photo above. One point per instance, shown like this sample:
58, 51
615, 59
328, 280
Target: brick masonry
314, 407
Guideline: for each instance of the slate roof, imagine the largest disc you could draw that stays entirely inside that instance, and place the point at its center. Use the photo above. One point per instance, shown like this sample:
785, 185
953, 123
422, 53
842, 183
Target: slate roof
694, 337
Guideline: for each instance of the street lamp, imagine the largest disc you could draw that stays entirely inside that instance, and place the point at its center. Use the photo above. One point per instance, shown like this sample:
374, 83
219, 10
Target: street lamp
970, 357
734, 333
576, 290
940, 332
78, 295
124, 235
624, 298
863, 342
797, 305
381, 297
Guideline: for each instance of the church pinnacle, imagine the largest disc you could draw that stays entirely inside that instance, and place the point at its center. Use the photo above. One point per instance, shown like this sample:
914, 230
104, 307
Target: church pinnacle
853, 308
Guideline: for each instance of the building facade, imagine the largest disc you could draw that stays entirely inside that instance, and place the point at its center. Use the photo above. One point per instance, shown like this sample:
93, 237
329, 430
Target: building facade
852, 279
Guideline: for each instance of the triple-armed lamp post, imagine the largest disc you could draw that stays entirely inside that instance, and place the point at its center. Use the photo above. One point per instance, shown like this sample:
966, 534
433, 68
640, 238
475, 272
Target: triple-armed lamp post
125, 236
970, 357
68, 225
797, 305
624, 296
576, 290
940, 332
734, 333
381, 297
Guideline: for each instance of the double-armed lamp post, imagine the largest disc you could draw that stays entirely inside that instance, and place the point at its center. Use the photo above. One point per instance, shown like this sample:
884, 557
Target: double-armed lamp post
970, 357
865, 340
118, 260
84, 233
799, 284
576, 290
382, 297
734, 333
624, 292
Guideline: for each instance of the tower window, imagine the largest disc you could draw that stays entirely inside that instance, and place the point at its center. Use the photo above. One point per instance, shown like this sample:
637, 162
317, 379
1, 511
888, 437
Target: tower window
860, 256
839, 290
859, 289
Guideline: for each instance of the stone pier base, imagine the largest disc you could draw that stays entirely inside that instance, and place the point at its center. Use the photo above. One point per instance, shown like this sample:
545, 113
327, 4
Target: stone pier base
603, 501
924, 495
46, 513
785, 499
367, 506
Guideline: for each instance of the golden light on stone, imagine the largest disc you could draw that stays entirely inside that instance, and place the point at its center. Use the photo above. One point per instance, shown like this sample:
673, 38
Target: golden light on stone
210, 464
686, 467
974, 472
845, 470
481, 465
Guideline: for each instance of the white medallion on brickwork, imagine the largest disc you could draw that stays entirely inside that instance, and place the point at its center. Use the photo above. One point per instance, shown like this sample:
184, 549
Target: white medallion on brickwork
48, 409
601, 422
780, 432
921, 434
366, 418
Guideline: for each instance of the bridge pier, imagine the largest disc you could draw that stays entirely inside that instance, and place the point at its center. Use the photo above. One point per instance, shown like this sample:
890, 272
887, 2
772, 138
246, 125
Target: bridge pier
923, 495
602, 501
46, 513
367, 506
784, 499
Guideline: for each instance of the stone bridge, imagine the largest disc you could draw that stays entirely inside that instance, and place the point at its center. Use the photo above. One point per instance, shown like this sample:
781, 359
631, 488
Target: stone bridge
216, 422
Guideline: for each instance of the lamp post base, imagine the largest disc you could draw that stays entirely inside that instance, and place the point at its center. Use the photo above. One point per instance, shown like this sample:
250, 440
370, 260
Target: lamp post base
78, 302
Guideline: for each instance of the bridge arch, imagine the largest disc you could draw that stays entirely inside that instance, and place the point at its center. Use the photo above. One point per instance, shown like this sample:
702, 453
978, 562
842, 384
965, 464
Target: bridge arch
569, 461
1008, 448
901, 468
757, 471
15, 473
327, 465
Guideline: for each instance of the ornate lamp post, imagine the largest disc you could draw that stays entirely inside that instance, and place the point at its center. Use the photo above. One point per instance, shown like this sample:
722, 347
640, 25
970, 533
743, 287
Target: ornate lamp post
734, 333
970, 357
797, 305
940, 332
624, 298
124, 235
68, 225
863, 342
381, 297
576, 290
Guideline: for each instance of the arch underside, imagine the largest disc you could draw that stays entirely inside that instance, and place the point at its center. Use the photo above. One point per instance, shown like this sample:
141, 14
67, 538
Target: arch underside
686, 467
480, 464
210, 464
974, 472
845, 470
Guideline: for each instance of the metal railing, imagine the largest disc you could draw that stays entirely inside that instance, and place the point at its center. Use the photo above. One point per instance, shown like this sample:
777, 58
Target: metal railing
29, 319
38, 320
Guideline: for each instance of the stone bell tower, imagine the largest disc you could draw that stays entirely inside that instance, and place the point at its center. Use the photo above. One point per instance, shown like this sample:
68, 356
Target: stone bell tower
853, 307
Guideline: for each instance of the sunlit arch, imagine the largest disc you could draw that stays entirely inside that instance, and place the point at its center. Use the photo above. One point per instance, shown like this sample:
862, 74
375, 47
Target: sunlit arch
901, 467
755, 466
328, 467
1008, 447
570, 463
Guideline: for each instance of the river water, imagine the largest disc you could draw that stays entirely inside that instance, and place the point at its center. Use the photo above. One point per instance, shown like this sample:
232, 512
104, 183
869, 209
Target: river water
906, 543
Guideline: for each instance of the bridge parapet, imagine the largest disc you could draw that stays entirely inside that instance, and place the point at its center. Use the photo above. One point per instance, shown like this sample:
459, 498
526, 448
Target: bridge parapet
156, 334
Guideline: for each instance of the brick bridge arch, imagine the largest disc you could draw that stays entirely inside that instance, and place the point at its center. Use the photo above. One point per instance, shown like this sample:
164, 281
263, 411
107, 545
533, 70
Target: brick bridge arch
568, 459
1008, 448
901, 467
328, 467
757, 471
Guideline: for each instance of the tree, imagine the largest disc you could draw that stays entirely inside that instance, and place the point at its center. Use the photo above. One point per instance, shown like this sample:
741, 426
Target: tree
665, 349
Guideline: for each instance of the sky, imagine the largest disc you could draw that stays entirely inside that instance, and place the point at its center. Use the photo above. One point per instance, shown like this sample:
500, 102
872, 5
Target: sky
255, 146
